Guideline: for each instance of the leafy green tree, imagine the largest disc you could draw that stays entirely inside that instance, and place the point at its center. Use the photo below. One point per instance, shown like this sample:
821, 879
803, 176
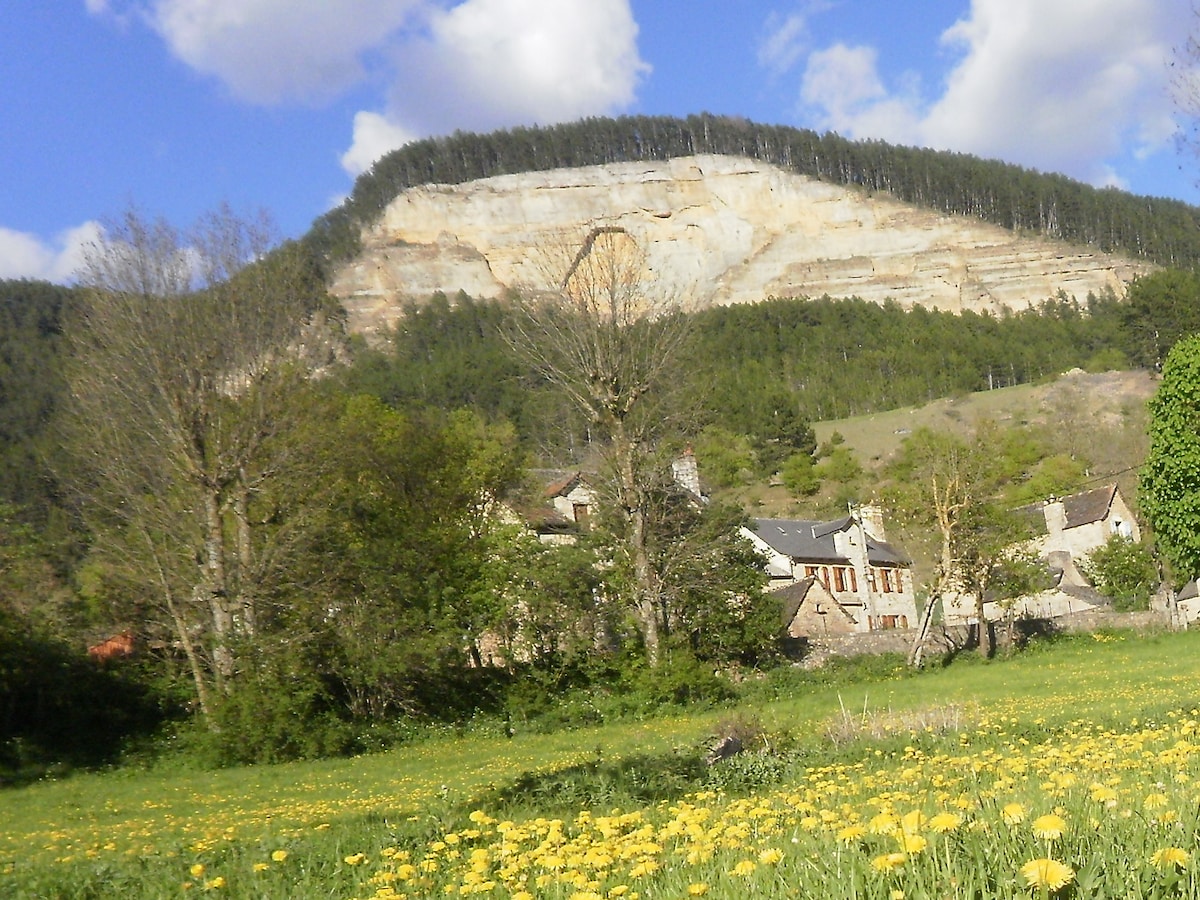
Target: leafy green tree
389, 588
952, 486
1160, 309
1123, 571
1169, 486
800, 476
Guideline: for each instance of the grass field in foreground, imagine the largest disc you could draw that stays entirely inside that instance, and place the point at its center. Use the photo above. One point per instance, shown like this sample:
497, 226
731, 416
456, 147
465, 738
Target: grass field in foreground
1071, 771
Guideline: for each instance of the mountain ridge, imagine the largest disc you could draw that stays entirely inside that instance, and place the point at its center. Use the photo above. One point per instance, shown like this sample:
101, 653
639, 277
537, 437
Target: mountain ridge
719, 229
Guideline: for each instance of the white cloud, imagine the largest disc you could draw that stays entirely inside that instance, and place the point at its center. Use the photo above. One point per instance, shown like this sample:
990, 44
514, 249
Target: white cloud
373, 136
24, 255
473, 65
269, 51
785, 40
487, 64
1059, 85
492, 63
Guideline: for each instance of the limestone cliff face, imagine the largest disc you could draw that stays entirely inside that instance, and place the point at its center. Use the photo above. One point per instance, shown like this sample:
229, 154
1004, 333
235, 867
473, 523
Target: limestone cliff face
718, 230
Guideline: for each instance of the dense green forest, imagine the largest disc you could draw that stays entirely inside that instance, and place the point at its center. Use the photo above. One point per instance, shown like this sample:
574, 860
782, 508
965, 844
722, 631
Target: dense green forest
1160, 230
767, 367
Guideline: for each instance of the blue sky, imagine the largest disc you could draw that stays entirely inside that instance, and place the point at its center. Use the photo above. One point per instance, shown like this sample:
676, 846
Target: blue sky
176, 106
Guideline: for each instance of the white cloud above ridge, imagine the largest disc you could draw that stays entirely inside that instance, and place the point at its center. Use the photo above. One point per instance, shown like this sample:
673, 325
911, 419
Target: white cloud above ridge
59, 260
487, 64
449, 64
1058, 86
271, 51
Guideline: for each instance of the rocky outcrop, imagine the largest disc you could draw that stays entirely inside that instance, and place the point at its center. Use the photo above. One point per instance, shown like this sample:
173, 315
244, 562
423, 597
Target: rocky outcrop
717, 230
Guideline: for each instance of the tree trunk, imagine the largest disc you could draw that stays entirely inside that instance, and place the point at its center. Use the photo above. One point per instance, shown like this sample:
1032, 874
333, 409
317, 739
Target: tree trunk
634, 511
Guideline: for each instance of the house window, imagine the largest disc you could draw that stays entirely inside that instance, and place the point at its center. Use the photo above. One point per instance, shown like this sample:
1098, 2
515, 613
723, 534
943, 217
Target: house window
810, 571
887, 621
839, 579
825, 576
897, 580
887, 581
853, 581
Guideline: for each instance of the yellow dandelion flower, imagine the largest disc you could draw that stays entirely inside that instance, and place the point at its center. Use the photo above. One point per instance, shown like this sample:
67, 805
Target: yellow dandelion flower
1170, 858
1012, 813
355, 859
770, 856
888, 861
261, 867
1155, 801
912, 821
851, 833
911, 843
1048, 873
1049, 827
745, 868
896, 895
945, 822
215, 884
697, 889
279, 855
196, 870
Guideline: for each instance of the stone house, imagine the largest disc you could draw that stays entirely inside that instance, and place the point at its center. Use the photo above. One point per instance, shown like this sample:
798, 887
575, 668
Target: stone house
865, 584
1067, 530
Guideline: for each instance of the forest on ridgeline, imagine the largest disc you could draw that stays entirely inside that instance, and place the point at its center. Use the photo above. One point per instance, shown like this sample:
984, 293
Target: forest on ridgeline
1160, 230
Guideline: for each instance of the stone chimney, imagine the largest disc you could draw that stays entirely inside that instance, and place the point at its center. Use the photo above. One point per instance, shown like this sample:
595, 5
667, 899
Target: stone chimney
1056, 515
686, 472
872, 519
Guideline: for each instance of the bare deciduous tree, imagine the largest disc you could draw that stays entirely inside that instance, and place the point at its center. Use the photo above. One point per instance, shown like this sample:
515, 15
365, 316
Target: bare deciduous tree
182, 356
598, 331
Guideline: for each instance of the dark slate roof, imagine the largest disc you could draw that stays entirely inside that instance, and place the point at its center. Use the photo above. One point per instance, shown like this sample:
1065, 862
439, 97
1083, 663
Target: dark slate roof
810, 541
1088, 506
1078, 509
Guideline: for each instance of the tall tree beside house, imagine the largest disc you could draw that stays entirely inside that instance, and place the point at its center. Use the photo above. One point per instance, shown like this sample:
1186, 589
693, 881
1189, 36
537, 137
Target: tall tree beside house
597, 332
182, 360
1169, 485
951, 488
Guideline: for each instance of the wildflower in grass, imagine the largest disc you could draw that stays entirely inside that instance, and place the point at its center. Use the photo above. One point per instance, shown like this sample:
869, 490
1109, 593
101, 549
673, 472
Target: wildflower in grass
697, 889
1049, 827
1012, 813
945, 822
215, 884
261, 867
1047, 873
1170, 858
851, 834
355, 859
1155, 801
745, 868
912, 843
770, 856
279, 855
888, 861
911, 822
196, 870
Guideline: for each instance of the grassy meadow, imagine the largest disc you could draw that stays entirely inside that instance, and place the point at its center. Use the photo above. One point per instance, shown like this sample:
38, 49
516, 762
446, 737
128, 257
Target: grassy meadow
1071, 769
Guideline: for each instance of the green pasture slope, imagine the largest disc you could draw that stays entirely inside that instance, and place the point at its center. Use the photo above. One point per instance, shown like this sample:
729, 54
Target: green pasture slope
324, 829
